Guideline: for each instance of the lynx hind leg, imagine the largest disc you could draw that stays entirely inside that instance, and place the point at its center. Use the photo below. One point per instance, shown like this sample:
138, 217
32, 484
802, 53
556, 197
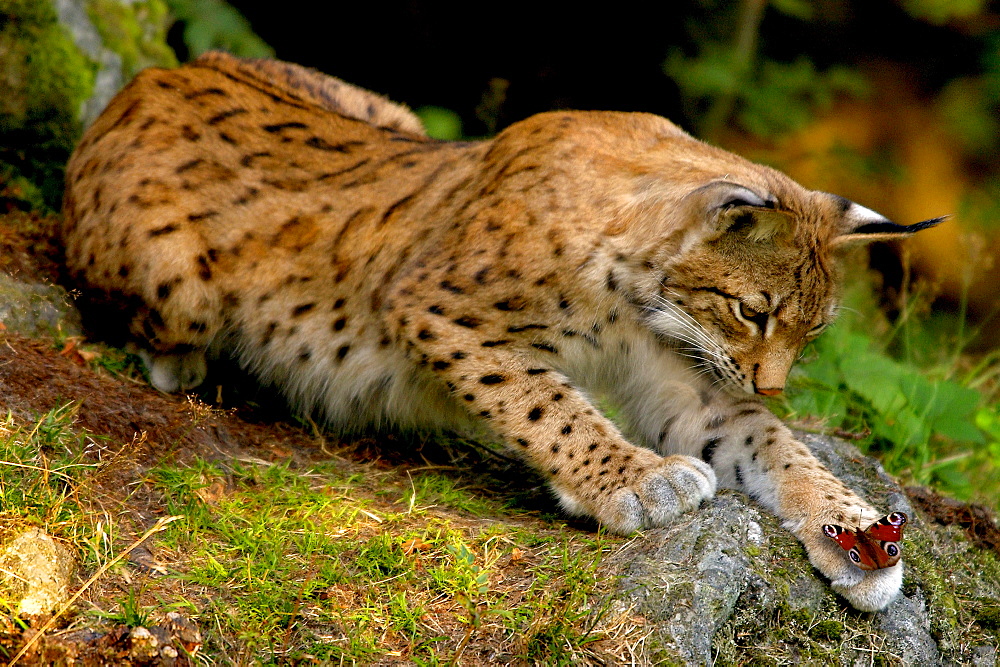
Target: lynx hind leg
323, 90
172, 338
177, 371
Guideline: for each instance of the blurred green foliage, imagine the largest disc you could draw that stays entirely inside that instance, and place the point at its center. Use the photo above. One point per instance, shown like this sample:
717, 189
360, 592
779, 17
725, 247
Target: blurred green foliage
735, 68
940, 12
907, 397
855, 386
440, 123
776, 98
215, 24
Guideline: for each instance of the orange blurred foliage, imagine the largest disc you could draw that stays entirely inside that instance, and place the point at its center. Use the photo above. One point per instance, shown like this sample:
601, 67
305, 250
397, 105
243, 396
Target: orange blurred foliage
892, 153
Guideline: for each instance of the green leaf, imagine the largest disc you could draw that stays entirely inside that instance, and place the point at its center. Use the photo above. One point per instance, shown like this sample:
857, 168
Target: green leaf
440, 123
800, 9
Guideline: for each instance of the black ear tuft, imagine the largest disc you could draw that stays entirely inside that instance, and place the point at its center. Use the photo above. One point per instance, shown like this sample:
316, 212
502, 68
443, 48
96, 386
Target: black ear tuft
862, 225
888, 227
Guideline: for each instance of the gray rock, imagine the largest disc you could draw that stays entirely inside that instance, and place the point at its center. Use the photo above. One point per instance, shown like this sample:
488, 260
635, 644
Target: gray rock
109, 78
984, 656
36, 309
907, 630
727, 584
686, 579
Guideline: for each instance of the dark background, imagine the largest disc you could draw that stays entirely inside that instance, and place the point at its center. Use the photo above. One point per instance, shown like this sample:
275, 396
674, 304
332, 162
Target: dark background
557, 55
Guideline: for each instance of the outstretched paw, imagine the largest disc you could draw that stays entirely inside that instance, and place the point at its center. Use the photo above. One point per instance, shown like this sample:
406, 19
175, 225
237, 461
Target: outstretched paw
872, 590
678, 484
850, 559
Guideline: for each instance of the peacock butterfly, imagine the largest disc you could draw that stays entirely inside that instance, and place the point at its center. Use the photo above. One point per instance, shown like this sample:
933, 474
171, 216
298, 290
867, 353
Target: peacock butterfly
876, 547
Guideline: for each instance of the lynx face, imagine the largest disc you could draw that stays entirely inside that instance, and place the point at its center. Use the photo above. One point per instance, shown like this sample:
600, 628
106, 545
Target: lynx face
745, 306
310, 230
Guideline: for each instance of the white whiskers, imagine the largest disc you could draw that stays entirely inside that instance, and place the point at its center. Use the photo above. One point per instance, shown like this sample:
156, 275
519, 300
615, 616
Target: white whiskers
668, 320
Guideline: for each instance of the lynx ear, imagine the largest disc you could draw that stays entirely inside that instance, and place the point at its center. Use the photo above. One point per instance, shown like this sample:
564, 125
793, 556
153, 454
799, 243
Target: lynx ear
862, 225
736, 209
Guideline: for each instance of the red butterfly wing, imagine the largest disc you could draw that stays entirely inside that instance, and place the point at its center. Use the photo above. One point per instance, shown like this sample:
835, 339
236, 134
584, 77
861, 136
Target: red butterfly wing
876, 547
845, 537
888, 528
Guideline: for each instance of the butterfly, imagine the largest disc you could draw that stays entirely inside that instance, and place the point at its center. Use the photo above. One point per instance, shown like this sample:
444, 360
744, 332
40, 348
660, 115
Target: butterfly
876, 547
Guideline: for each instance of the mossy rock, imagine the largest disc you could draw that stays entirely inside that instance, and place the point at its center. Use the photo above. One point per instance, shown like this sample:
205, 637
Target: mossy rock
727, 584
60, 64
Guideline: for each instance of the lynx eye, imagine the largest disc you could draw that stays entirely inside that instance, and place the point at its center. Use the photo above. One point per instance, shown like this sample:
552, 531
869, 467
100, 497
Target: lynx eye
750, 314
816, 330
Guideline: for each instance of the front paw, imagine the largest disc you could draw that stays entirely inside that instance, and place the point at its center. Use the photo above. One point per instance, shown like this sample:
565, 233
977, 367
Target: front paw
674, 485
866, 590
872, 590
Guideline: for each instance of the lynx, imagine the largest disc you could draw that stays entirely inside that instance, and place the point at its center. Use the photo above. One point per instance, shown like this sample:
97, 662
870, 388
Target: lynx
310, 230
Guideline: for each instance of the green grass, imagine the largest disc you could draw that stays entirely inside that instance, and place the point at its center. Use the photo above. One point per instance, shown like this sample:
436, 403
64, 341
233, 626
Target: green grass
311, 564
327, 563
41, 470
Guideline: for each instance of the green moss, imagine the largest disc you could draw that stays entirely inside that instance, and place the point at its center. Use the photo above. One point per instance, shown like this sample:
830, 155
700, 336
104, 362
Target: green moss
988, 617
45, 79
926, 568
827, 630
137, 32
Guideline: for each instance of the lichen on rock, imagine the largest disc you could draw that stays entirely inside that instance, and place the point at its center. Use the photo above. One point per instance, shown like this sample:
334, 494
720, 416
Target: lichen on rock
36, 572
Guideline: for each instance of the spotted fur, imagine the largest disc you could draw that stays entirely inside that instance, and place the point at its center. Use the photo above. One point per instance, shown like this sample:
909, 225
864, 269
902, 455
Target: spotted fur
312, 231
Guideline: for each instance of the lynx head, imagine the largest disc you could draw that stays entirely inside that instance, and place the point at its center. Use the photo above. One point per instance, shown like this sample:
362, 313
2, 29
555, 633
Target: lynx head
756, 276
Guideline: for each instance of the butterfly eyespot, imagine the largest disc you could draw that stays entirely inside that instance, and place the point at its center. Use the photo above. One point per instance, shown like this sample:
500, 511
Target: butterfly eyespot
854, 556
897, 518
892, 550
